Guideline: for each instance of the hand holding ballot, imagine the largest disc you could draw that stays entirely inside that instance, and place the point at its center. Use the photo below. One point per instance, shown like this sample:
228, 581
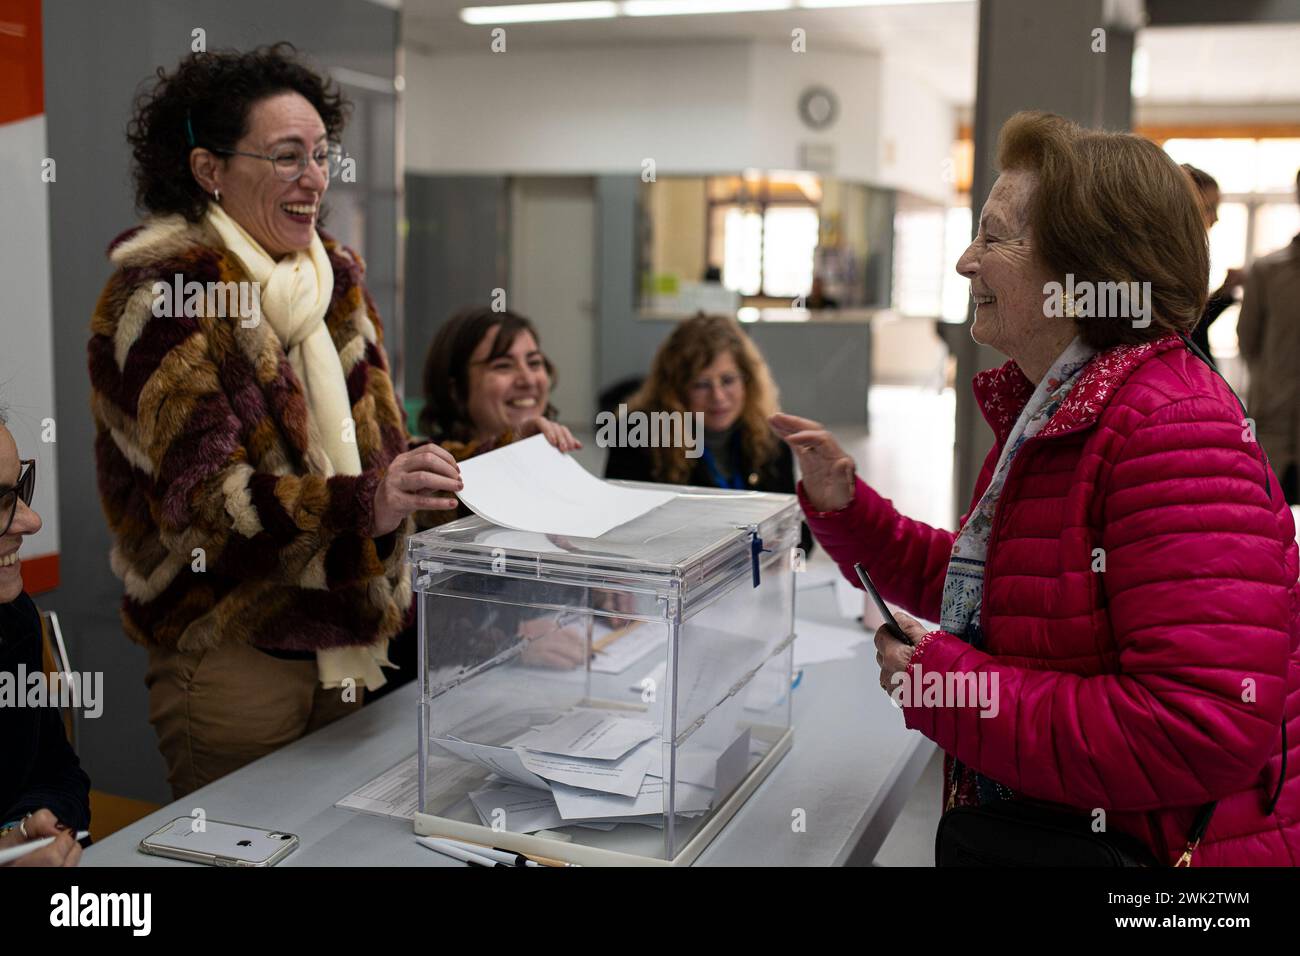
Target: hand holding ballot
827, 469
416, 480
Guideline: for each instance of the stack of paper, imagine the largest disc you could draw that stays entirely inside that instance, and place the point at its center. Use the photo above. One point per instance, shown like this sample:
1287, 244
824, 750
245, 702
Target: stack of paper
591, 767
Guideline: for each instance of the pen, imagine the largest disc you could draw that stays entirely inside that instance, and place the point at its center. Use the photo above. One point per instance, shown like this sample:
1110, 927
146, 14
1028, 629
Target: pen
31, 846
507, 857
456, 853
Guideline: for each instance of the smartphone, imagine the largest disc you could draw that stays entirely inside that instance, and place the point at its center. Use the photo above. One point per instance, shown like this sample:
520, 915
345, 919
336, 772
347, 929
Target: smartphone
885, 612
218, 844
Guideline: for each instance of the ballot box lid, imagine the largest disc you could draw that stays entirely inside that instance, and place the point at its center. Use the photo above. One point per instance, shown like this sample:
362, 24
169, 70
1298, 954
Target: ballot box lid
700, 537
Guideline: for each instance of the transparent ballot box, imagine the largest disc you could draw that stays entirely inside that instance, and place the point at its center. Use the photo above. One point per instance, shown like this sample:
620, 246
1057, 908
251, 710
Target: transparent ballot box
608, 700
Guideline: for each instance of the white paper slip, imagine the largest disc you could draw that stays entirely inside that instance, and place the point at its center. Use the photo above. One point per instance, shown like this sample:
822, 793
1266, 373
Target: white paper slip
500, 760
624, 651
654, 748
396, 791
608, 776
532, 486
594, 734
577, 804
818, 643
517, 809
524, 810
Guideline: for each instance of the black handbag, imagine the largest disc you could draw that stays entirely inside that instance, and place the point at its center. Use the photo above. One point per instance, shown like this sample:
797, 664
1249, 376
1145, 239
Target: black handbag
1020, 833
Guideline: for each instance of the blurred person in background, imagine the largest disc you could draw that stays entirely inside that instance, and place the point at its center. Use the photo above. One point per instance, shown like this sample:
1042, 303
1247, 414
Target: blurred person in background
1207, 190
1268, 333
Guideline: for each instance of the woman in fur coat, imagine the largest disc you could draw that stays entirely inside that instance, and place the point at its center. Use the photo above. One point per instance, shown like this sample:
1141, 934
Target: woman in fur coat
252, 459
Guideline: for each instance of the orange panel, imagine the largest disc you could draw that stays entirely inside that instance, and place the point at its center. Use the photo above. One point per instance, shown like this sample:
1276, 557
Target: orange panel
40, 574
21, 78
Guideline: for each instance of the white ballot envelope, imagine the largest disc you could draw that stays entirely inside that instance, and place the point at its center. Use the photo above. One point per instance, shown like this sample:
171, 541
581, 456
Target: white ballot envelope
531, 485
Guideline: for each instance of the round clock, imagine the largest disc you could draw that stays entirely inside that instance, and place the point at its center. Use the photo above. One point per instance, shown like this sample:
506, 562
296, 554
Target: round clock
818, 107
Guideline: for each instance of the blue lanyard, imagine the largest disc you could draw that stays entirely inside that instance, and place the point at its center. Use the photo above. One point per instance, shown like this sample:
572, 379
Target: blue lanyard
736, 480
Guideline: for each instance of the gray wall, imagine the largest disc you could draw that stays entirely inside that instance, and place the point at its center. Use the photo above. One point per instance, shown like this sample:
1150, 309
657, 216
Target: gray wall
1032, 56
96, 54
457, 252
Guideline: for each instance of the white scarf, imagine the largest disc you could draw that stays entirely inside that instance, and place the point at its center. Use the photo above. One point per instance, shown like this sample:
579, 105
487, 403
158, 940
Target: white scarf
295, 295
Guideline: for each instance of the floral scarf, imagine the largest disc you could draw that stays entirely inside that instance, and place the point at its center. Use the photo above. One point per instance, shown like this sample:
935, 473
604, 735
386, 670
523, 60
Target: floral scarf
963, 588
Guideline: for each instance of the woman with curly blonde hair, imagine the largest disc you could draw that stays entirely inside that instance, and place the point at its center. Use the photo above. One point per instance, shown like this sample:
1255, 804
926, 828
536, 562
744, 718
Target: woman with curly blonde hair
710, 367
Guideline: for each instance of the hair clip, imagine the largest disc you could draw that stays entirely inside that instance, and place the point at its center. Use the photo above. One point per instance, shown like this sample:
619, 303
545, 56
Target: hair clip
189, 130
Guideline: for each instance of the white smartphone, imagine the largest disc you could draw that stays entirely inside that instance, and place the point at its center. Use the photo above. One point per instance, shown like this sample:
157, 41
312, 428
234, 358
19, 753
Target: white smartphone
219, 844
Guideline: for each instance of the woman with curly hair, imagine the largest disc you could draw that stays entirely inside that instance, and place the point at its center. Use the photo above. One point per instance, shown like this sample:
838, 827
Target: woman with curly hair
710, 368
253, 467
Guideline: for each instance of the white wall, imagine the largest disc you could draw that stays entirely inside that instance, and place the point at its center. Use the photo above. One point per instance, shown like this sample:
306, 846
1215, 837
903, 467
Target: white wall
588, 110
917, 129
693, 108
26, 333
779, 77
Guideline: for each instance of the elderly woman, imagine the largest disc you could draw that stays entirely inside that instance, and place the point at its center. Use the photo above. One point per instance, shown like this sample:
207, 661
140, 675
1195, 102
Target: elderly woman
252, 460
1125, 579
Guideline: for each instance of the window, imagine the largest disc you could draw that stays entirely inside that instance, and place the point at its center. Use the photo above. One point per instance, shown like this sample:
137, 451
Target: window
764, 230
1257, 213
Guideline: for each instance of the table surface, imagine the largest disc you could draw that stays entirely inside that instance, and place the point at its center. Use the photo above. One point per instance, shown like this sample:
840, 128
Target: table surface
851, 769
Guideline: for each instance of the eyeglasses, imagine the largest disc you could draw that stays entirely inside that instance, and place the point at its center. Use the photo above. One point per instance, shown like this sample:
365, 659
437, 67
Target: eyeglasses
25, 489
290, 162
726, 383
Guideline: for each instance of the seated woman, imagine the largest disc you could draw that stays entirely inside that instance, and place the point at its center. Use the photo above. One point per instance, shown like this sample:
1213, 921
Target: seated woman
709, 367
1124, 583
43, 790
487, 383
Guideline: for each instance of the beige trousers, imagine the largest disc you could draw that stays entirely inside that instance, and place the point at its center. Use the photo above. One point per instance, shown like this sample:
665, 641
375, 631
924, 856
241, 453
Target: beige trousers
216, 710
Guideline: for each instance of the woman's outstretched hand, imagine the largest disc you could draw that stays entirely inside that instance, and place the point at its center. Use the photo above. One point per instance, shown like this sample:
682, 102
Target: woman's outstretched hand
828, 472
555, 433
423, 478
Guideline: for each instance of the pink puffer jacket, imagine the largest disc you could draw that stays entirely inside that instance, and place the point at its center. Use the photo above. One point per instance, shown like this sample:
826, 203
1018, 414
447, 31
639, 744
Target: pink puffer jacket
1152, 686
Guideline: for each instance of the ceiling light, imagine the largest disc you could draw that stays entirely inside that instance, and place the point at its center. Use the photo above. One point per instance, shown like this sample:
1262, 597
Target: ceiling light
540, 12
823, 4
670, 8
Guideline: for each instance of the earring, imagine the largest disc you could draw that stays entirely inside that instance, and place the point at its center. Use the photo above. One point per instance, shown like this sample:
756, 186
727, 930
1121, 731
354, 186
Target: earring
216, 194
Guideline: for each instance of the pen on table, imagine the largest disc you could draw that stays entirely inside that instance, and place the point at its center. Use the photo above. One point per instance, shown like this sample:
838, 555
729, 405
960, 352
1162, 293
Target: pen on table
508, 857
457, 853
31, 846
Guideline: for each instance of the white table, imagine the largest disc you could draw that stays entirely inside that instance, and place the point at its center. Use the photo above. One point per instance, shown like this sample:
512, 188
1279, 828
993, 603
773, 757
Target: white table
852, 767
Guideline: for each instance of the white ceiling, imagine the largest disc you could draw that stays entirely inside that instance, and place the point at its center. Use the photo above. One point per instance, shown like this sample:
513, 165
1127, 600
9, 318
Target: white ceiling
1240, 64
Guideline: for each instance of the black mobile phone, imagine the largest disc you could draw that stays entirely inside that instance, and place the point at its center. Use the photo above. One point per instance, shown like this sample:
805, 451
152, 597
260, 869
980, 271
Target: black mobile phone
885, 612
